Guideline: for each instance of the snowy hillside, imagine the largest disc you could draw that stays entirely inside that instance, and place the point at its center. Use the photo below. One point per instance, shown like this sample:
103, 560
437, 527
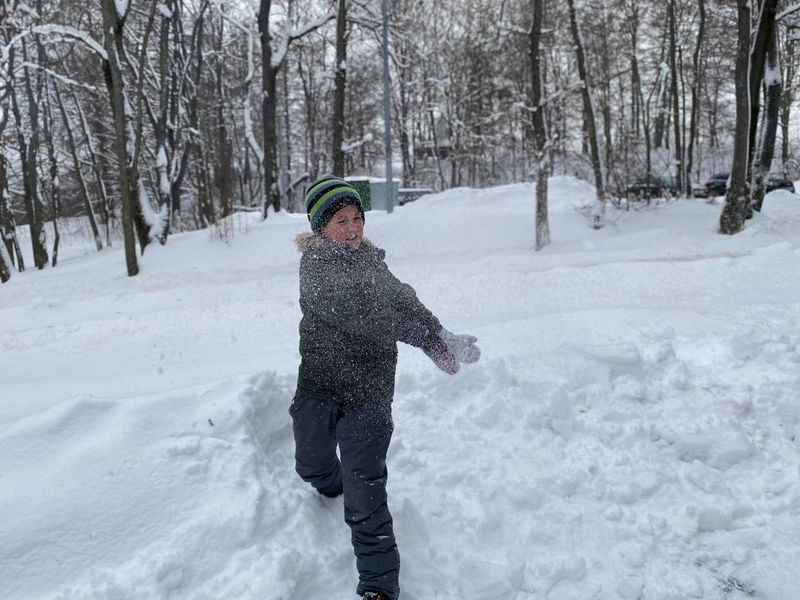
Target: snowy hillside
631, 431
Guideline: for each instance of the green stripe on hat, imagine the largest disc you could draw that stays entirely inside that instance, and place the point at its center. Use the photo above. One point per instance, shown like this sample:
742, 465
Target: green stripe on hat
332, 195
325, 181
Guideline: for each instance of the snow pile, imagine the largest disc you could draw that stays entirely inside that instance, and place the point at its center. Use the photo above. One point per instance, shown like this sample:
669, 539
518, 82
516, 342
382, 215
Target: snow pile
631, 431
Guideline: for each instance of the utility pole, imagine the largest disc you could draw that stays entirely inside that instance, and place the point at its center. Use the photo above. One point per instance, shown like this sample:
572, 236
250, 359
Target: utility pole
387, 110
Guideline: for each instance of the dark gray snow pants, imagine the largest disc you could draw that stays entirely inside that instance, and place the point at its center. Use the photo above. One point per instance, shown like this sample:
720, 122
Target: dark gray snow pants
362, 434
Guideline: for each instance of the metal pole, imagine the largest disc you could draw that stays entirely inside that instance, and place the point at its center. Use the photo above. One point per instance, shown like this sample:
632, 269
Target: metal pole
387, 110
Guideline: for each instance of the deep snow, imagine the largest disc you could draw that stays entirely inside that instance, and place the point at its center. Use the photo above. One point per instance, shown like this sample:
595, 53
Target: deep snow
629, 433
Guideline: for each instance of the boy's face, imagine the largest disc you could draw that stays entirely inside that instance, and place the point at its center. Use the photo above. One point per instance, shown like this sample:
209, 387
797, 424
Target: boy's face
346, 227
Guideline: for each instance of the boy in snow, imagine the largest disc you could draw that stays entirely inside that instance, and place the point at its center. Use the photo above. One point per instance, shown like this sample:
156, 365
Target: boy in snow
354, 313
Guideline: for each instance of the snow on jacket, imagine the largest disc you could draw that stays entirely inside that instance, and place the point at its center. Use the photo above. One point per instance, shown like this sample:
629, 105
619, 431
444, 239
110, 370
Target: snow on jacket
354, 313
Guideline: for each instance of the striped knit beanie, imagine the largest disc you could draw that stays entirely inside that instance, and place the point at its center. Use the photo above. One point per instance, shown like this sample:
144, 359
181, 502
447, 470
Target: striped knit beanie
325, 197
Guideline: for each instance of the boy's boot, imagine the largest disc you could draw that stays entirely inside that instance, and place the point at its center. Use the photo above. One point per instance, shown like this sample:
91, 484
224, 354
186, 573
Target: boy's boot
335, 493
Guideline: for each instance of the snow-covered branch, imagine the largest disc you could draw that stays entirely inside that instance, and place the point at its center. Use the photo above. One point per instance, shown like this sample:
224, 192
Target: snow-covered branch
59, 77
349, 147
63, 31
122, 7
297, 33
787, 12
251, 138
156, 219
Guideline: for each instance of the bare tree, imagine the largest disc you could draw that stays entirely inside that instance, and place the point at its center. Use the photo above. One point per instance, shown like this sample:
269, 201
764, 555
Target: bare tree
89, 146
675, 96
540, 133
9, 246
760, 48
189, 72
750, 61
271, 62
76, 163
406, 15
589, 116
337, 152
112, 35
54, 180
696, 84
769, 122
733, 215
223, 165
7, 228
166, 125
311, 93
28, 140
790, 58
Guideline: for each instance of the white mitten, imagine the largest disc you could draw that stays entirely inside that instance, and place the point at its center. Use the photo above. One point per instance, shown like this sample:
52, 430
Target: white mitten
462, 346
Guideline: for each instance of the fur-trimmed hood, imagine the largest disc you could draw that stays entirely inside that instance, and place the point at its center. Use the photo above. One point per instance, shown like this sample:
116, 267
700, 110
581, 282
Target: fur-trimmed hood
313, 241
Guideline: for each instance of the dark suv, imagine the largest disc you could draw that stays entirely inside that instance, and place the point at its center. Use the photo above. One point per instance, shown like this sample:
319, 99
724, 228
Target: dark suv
717, 184
652, 187
779, 182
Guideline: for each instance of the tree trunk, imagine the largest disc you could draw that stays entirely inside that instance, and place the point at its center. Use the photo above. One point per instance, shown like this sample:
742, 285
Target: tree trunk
268, 111
309, 102
164, 148
677, 145
286, 145
9, 245
632, 22
9, 248
640, 109
591, 124
223, 165
758, 55
340, 80
192, 144
112, 37
787, 97
769, 126
5, 264
540, 134
28, 150
696, 83
437, 155
178, 95
662, 102
403, 126
605, 93
205, 204
269, 101
87, 203
737, 198
105, 204
55, 183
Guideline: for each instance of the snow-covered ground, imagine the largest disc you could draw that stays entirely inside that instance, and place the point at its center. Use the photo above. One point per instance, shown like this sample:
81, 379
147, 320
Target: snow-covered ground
629, 433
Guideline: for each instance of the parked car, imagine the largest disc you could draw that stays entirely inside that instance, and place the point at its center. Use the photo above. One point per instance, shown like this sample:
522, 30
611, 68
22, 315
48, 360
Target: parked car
779, 182
652, 187
717, 184
699, 191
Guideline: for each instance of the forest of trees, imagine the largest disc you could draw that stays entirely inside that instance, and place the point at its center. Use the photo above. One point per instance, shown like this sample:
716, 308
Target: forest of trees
149, 117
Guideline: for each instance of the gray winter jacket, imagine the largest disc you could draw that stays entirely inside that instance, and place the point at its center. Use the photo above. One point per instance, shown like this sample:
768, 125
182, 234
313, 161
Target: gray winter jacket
354, 313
